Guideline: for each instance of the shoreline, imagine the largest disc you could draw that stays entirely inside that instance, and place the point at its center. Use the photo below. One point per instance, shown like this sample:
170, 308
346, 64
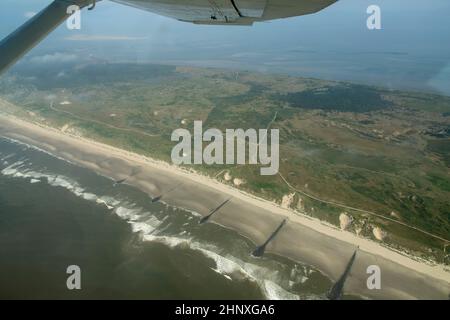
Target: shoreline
303, 238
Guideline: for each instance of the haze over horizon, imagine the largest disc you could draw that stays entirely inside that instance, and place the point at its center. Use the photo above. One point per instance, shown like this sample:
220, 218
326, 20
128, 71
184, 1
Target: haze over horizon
408, 53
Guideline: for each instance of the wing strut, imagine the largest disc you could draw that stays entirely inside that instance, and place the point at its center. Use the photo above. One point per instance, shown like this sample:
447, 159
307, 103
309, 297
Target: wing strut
18, 43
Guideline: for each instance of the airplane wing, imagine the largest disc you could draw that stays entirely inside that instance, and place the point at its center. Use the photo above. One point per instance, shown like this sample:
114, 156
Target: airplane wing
225, 12
229, 12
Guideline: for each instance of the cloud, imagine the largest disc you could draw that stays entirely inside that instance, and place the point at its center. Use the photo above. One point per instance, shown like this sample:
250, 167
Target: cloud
86, 37
57, 57
29, 14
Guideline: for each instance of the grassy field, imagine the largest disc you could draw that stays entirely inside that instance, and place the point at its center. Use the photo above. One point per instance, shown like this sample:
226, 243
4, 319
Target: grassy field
378, 150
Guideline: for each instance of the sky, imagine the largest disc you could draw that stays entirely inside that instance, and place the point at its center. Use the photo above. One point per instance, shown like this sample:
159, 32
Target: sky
411, 50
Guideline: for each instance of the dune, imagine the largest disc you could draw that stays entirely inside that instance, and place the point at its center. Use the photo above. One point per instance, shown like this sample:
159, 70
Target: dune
302, 239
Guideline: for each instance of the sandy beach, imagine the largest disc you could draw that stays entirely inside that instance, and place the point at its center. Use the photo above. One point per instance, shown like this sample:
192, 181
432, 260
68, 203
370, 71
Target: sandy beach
302, 239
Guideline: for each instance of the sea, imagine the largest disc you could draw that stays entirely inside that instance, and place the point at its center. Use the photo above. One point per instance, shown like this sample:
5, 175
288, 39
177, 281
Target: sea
55, 214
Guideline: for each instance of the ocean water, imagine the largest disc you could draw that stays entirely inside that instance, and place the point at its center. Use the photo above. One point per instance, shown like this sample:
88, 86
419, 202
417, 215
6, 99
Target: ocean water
54, 214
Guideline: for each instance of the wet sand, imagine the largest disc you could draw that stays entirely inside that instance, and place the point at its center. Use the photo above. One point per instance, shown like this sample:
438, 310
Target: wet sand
302, 239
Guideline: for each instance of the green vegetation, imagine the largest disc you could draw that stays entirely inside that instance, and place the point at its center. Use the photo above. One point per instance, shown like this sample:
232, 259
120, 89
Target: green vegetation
386, 152
441, 148
350, 98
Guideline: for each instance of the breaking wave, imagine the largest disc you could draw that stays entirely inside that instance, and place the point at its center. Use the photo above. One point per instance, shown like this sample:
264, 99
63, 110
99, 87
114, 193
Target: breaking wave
149, 228
231, 267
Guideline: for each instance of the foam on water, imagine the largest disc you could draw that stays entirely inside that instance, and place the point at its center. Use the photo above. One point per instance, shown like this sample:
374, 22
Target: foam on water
274, 292
123, 210
103, 202
29, 146
129, 214
224, 275
146, 227
167, 240
109, 202
8, 156
17, 170
143, 222
231, 267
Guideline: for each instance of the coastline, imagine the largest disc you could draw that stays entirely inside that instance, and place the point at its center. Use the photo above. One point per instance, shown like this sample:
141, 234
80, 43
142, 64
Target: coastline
303, 238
